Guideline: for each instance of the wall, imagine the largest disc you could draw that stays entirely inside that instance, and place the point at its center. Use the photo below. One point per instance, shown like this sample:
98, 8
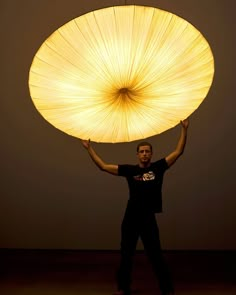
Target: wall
52, 195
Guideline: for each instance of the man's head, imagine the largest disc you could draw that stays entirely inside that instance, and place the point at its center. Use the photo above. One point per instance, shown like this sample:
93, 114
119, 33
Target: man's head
144, 153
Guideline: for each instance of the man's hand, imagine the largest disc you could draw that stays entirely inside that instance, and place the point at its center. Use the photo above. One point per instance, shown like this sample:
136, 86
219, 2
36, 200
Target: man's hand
86, 143
185, 123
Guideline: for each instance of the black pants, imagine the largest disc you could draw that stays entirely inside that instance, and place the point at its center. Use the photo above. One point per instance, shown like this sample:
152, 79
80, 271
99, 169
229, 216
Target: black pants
141, 222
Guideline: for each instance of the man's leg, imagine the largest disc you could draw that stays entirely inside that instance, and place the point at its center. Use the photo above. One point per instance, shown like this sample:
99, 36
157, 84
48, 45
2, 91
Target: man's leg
151, 241
129, 238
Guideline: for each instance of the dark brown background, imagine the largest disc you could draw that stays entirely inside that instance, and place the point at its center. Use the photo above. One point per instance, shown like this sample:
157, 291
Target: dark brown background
52, 195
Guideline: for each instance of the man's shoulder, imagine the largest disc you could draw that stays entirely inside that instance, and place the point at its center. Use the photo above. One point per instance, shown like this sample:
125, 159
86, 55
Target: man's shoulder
158, 162
128, 165
125, 169
161, 163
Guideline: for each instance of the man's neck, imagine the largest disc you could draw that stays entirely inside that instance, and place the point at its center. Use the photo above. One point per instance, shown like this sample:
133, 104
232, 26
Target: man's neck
144, 165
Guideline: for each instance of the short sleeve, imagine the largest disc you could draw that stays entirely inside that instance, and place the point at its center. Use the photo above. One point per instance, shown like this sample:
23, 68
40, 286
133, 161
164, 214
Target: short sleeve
161, 164
125, 170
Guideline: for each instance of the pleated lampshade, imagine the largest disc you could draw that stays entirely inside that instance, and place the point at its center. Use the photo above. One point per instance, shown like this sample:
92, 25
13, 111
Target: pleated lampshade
121, 74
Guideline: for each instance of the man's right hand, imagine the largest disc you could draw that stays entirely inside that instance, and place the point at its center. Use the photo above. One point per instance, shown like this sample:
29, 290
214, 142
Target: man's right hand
85, 143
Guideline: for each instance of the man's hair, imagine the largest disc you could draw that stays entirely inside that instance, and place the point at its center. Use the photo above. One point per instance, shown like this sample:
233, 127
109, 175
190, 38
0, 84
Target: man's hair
143, 143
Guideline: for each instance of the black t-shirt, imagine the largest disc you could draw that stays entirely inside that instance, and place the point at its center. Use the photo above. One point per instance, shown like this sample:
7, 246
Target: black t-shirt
145, 184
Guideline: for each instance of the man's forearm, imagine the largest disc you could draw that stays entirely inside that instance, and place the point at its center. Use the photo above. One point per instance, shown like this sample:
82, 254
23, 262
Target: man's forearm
182, 141
96, 159
110, 168
172, 157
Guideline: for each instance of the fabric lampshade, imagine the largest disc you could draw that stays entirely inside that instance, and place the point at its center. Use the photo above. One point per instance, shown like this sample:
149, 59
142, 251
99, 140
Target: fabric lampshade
121, 74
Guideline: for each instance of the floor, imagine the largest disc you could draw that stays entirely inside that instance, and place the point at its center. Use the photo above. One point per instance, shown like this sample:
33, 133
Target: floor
60, 272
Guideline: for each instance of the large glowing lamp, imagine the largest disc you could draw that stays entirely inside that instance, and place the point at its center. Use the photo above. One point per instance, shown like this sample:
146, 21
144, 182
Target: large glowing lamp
121, 73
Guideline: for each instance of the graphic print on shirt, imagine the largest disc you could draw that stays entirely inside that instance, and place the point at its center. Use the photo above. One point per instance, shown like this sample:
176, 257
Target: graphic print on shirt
145, 177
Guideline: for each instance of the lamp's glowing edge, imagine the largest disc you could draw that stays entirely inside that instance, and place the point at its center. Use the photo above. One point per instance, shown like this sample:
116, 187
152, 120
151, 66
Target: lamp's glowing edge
121, 74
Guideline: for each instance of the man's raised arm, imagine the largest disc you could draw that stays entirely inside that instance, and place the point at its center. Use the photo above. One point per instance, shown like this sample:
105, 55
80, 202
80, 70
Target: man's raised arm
172, 157
110, 168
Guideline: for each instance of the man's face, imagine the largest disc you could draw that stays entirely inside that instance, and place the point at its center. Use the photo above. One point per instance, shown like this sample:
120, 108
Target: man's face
144, 154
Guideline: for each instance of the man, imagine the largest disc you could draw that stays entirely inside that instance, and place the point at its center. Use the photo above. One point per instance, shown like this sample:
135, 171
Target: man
145, 199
